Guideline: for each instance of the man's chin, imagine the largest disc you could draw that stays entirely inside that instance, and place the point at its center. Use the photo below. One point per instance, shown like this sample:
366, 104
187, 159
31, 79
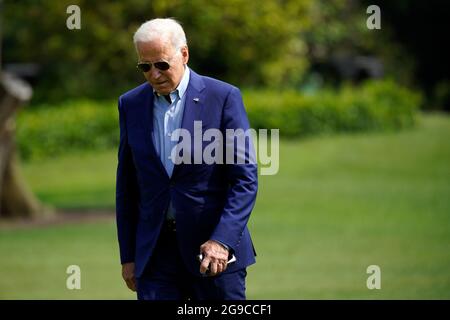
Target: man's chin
162, 88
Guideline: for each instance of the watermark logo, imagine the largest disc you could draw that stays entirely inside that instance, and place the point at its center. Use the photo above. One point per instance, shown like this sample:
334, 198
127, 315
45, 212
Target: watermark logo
74, 279
74, 20
237, 147
374, 280
374, 20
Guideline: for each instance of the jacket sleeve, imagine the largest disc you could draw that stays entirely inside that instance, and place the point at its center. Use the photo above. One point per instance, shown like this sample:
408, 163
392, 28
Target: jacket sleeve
242, 178
127, 195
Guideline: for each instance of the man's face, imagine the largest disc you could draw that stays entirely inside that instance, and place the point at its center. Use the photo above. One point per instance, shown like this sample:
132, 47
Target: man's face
165, 81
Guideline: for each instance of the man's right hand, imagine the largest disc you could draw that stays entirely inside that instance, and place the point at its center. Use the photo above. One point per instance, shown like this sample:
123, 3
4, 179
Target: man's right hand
128, 275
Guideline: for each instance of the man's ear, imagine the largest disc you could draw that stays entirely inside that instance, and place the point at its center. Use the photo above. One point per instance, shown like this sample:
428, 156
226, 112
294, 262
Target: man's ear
185, 54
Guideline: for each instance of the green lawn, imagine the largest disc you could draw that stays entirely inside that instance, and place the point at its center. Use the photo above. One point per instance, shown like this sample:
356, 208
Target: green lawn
337, 205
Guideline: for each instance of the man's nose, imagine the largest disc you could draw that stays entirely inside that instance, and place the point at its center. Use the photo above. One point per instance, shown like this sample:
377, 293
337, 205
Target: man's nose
155, 73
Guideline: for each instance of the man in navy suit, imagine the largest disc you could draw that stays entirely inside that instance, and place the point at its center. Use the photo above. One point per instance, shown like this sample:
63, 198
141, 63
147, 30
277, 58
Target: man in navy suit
182, 226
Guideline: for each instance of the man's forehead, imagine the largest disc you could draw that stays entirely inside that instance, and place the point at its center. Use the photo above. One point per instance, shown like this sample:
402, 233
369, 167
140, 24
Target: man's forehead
155, 47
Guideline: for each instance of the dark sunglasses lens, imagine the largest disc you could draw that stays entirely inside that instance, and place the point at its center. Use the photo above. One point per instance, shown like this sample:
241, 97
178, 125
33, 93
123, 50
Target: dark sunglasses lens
162, 65
144, 67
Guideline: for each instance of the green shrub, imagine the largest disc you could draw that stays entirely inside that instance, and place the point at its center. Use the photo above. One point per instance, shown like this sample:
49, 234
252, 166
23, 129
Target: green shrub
51, 130
376, 105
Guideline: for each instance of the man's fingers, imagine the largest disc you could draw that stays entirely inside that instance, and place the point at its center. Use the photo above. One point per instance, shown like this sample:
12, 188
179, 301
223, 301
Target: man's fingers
128, 275
131, 284
130, 280
204, 265
213, 268
215, 257
220, 267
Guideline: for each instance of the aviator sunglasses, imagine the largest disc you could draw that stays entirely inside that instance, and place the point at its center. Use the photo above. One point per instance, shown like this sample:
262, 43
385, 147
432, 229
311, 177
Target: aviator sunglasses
147, 66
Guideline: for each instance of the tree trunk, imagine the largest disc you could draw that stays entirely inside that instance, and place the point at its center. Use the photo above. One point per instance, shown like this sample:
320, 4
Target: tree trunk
16, 200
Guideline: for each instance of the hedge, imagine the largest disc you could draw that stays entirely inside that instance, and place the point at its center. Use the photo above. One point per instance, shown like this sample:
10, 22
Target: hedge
48, 130
376, 105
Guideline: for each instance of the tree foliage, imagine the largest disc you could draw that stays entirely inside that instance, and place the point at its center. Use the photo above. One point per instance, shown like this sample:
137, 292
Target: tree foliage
249, 43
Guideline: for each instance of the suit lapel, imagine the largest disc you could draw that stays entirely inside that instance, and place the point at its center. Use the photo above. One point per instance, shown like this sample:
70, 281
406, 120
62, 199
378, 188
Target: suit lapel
194, 102
193, 108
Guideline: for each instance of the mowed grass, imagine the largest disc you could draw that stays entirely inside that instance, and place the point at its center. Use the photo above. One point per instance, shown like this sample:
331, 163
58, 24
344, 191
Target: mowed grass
35, 262
77, 181
337, 205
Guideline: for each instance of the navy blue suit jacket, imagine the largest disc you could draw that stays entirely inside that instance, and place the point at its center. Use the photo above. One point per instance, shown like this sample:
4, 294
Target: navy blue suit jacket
211, 201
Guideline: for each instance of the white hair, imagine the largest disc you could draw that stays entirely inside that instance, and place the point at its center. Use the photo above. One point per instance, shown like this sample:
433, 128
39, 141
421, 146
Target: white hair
166, 29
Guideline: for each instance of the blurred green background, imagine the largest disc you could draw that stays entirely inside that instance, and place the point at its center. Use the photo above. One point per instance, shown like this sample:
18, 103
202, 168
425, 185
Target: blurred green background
363, 117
